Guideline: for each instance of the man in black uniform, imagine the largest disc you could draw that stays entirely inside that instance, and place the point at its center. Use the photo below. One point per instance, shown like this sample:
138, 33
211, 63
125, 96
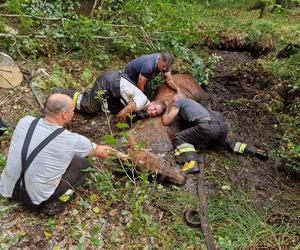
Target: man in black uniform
121, 96
208, 128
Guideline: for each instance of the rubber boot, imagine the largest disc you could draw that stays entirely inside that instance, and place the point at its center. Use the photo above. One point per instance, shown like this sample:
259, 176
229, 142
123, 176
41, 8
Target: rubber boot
258, 153
71, 93
57, 205
186, 153
191, 167
60, 90
243, 148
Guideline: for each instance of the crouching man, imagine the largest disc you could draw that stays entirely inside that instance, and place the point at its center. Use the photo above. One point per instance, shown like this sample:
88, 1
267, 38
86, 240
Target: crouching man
120, 95
45, 161
206, 127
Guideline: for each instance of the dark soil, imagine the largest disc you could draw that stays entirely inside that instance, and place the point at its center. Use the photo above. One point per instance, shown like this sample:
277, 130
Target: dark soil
240, 90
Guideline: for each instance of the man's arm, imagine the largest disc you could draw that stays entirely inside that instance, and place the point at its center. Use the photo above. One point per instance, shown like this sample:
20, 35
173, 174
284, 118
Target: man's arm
142, 82
104, 151
170, 82
169, 116
130, 108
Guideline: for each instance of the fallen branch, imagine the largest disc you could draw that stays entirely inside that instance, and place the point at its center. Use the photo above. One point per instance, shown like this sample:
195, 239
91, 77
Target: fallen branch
46, 37
33, 17
94, 6
203, 211
147, 38
145, 34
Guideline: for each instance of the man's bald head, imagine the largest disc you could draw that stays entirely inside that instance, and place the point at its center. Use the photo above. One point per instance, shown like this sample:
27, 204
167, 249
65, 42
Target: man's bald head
57, 103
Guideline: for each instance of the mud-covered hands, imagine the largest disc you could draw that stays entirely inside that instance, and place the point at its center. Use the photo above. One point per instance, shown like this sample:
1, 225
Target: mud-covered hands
170, 82
178, 96
142, 82
103, 151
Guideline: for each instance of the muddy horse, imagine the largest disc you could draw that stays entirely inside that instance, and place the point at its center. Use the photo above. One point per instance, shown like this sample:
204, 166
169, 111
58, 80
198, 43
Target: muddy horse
157, 155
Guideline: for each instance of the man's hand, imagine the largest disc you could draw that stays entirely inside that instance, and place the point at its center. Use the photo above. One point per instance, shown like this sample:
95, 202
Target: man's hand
142, 82
103, 151
122, 116
130, 108
178, 96
169, 80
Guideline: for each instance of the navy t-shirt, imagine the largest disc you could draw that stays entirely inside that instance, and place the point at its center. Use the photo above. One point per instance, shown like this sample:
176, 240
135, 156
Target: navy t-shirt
144, 65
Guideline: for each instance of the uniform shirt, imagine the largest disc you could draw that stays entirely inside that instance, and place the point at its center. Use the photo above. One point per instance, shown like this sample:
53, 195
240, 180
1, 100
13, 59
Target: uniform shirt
190, 110
145, 65
129, 93
45, 172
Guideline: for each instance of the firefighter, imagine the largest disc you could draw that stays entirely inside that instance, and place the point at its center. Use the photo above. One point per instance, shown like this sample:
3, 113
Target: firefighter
117, 93
206, 127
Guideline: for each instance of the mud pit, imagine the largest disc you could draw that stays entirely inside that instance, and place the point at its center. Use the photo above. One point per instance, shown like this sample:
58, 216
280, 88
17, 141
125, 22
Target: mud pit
239, 90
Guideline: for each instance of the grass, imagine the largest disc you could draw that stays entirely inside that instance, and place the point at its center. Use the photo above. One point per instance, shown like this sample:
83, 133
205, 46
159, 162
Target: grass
116, 212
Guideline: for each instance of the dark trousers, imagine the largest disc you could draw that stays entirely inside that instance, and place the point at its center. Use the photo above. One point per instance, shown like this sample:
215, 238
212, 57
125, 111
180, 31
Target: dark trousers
208, 133
91, 103
71, 179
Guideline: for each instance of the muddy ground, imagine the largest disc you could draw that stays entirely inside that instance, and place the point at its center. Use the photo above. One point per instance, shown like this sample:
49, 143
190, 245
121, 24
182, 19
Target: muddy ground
238, 89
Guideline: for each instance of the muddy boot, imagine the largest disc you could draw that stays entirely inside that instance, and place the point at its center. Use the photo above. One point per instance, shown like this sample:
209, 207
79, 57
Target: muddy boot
67, 92
258, 153
243, 148
186, 153
57, 205
191, 167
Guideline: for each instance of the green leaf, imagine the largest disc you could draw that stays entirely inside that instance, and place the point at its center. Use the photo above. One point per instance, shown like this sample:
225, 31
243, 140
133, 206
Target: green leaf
93, 197
140, 145
86, 75
95, 241
95, 230
47, 233
109, 139
121, 125
131, 116
96, 210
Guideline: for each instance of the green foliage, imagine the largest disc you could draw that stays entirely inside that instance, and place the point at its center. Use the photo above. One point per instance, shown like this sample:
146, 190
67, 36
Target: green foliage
2, 161
109, 139
202, 71
289, 150
258, 30
286, 69
55, 8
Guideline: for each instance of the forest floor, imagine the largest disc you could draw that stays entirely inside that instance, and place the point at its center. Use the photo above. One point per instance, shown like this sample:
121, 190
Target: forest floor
251, 204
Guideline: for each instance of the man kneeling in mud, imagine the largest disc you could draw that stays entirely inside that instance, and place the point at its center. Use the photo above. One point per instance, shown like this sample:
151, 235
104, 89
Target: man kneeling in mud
206, 127
122, 97
45, 161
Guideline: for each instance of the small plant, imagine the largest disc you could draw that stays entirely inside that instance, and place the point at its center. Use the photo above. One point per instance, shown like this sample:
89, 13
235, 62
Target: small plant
201, 70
